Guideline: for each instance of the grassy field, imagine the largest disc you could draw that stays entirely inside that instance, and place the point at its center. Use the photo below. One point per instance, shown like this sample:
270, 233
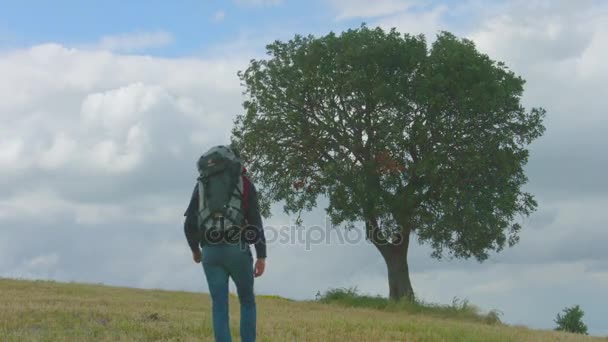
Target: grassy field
48, 311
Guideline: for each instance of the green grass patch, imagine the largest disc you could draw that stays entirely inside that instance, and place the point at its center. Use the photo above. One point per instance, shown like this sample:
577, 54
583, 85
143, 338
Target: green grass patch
49, 311
458, 309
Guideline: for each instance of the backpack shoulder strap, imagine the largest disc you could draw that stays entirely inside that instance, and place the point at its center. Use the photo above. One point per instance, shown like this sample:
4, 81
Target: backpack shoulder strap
246, 185
203, 210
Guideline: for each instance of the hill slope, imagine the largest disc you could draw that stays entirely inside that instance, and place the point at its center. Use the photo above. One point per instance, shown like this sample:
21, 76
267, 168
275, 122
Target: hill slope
48, 311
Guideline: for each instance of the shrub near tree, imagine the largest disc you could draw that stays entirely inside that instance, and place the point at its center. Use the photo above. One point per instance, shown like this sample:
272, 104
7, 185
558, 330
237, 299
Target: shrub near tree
409, 139
571, 321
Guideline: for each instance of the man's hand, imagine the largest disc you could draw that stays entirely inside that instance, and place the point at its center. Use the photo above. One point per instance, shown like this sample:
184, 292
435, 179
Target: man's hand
260, 265
197, 256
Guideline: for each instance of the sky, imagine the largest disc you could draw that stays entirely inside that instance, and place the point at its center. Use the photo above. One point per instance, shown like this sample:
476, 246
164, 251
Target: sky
106, 106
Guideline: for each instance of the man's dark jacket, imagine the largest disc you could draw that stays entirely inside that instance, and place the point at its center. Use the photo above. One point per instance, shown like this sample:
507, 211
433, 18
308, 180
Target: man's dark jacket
252, 216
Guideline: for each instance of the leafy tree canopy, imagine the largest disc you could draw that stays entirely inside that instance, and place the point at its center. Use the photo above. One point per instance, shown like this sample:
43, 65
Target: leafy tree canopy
401, 135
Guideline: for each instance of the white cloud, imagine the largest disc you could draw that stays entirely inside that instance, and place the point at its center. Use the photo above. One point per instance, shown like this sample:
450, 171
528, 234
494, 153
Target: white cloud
59, 153
79, 105
38, 267
45, 205
11, 154
49, 206
93, 132
548, 35
122, 107
110, 156
349, 9
428, 22
219, 16
259, 2
43, 261
135, 41
593, 59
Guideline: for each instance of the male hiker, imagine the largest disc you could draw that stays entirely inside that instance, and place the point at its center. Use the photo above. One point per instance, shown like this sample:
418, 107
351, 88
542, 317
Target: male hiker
224, 218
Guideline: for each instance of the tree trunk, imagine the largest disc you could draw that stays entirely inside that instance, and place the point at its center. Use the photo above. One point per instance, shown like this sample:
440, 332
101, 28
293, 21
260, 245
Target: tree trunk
395, 256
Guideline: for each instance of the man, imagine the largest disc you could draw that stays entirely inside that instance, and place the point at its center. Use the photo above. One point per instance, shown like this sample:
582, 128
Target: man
225, 252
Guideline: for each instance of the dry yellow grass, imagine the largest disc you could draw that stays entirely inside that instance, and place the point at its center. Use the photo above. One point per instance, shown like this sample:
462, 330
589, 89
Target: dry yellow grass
48, 311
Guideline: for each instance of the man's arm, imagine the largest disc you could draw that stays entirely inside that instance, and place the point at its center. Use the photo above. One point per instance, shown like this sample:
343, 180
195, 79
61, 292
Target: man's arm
255, 219
190, 223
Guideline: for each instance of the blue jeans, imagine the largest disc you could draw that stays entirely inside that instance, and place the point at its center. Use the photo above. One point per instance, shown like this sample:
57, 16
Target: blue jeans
221, 261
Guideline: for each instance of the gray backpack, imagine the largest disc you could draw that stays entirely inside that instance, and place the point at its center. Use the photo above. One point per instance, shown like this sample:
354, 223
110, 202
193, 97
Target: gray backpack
221, 193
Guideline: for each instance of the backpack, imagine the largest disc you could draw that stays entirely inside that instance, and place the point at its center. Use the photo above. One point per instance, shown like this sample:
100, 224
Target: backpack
222, 193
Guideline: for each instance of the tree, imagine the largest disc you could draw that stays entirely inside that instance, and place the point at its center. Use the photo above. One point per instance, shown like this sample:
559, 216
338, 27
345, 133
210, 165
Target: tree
571, 321
406, 138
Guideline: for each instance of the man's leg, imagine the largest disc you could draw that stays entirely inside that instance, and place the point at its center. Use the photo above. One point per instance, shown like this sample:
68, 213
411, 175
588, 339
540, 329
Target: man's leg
241, 271
217, 279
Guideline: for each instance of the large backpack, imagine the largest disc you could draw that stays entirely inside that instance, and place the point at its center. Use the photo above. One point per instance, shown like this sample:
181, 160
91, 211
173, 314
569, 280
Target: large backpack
221, 189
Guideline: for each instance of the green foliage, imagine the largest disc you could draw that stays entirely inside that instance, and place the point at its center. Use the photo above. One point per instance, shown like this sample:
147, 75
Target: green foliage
395, 133
458, 309
571, 321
